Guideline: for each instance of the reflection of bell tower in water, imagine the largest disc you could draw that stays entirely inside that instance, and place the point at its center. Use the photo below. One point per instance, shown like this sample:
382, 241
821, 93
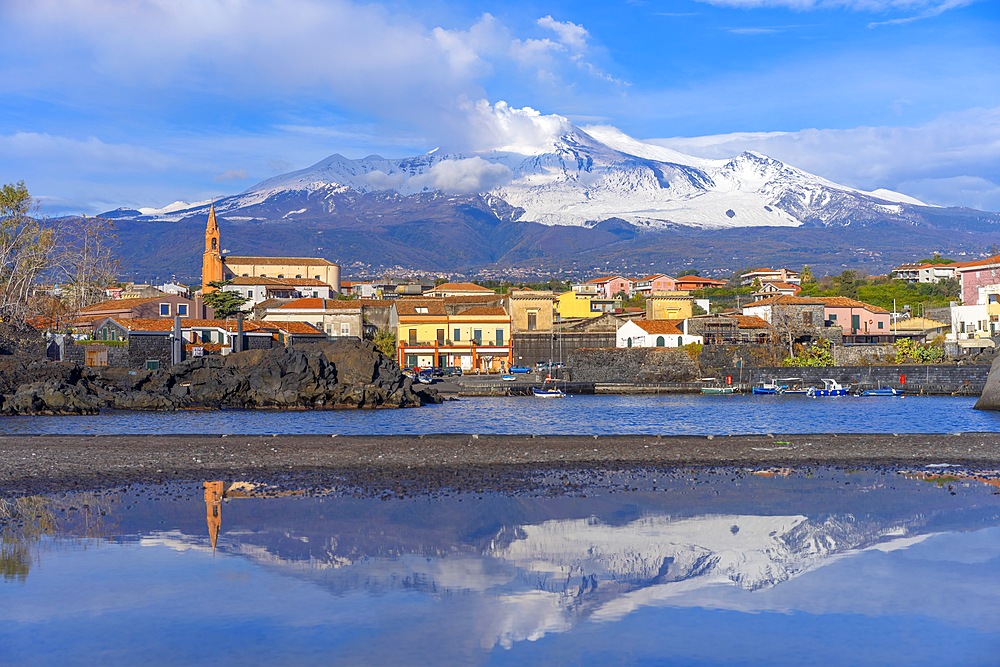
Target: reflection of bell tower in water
211, 264
214, 492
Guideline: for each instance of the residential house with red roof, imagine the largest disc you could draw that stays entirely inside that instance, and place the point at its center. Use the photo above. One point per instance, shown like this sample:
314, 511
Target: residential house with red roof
775, 288
609, 287
764, 275
691, 283
458, 289
657, 282
861, 322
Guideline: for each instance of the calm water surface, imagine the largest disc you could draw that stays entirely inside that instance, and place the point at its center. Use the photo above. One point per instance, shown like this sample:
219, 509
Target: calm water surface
801, 567
586, 415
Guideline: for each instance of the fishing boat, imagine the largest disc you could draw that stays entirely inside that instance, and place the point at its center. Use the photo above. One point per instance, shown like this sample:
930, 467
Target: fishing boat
715, 391
771, 388
830, 388
883, 391
548, 392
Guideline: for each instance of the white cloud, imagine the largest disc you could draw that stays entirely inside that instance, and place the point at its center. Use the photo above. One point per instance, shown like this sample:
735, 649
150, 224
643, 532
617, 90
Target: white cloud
953, 160
505, 128
465, 176
853, 5
570, 34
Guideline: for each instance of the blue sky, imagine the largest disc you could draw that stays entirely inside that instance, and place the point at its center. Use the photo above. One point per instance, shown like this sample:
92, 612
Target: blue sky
132, 103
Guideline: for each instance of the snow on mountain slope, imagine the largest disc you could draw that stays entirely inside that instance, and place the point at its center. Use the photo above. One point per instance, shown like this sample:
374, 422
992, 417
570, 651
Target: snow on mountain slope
580, 177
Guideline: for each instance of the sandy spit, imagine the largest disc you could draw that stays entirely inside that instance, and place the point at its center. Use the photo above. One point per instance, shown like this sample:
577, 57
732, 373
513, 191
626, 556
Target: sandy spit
415, 464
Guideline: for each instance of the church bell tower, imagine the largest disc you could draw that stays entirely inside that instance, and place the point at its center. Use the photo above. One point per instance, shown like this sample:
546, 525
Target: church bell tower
211, 266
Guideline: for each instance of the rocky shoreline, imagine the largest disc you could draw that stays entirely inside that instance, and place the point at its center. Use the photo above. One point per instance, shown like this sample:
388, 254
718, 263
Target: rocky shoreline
407, 465
338, 374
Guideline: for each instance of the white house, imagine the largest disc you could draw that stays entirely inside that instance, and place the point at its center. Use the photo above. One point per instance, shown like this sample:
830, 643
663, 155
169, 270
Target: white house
654, 333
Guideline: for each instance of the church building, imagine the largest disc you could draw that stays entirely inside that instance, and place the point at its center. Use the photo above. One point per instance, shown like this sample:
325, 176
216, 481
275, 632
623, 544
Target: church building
217, 267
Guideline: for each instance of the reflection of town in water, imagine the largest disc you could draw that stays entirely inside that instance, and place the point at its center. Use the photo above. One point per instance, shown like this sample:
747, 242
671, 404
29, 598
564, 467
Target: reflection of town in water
530, 566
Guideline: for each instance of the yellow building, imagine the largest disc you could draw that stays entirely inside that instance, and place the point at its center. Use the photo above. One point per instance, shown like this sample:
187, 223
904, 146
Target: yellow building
531, 310
217, 266
475, 339
670, 306
575, 305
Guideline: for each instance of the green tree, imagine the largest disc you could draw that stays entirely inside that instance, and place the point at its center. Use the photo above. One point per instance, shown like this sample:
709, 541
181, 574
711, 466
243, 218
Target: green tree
818, 354
226, 304
385, 342
25, 251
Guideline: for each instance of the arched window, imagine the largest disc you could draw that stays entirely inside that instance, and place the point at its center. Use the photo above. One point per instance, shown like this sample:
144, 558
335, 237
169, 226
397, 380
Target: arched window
630, 341
680, 341
661, 341
215, 243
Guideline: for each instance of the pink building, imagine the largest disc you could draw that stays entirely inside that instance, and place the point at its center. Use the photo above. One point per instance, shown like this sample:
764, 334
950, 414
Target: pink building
609, 286
979, 280
857, 318
658, 282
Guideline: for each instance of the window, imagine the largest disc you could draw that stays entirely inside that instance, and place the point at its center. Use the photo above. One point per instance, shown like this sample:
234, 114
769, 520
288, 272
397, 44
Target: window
206, 336
880, 324
421, 309
661, 341
532, 321
154, 364
182, 309
477, 335
458, 335
345, 329
499, 336
440, 336
281, 275
833, 317
250, 293
164, 310
298, 275
317, 277
413, 336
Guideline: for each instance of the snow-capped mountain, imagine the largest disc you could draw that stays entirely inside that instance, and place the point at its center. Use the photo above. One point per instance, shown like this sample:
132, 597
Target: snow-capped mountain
576, 178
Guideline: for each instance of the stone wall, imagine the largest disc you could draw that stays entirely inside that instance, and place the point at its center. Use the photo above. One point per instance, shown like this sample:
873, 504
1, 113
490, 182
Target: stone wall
139, 350
863, 355
531, 348
633, 364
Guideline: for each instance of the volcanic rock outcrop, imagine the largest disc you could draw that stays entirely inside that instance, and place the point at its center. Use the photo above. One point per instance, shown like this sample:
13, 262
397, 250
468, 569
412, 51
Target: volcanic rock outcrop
338, 374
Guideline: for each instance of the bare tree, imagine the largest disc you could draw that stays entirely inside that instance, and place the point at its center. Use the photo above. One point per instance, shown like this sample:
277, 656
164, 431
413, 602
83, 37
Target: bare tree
26, 249
85, 260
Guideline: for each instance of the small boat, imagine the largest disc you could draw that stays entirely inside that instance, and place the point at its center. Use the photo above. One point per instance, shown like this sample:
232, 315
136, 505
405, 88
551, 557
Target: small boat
508, 378
771, 388
883, 391
548, 392
715, 391
830, 388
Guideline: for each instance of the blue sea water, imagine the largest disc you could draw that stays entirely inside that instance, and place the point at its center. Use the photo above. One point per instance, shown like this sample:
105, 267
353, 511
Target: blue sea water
574, 415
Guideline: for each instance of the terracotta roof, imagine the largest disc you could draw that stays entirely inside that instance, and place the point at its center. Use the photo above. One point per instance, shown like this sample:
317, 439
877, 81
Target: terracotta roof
121, 304
651, 277
460, 287
143, 324
750, 322
478, 298
484, 310
602, 279
254, 280
278, 261
375, 303
781, 285
659, 326
317, 303
977, 264
783, 300
296, 328
699, 280
409, 306
845, 302
304, 282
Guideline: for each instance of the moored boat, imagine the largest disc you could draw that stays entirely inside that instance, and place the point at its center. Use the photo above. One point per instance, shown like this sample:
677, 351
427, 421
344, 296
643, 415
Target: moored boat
883, 391
718, 390
771, 388
829, 388
548, 392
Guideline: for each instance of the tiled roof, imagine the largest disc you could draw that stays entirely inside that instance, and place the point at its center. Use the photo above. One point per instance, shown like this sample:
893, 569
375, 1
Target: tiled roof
144, 324
241, 281
750, 322
787, 301
659, 326
602, 279
484, 310
461, 287
316, 303
121, 304
780, 285
304, 282
651, 278
846, 302
699, 280
471, 299
409, 306
278, 261
977, 264
296, 328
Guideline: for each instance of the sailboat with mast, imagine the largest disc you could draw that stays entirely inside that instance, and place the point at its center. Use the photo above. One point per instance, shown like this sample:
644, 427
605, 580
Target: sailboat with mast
549, 389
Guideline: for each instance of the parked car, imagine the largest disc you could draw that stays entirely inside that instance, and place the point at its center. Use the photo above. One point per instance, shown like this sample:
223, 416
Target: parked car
451, 370
520, 369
